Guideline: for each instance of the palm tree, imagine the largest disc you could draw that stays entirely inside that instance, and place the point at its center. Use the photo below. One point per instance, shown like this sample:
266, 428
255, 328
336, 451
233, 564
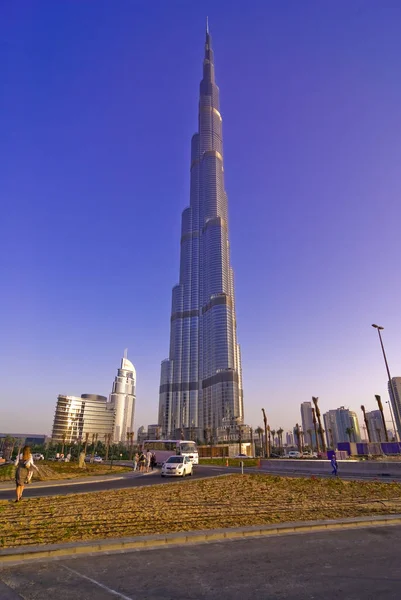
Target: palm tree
349, 431
273, 434
267, 444
211, 441
380, 405
366, 422
315, 402
297, 437
63, 437
309, 432
240, 438
131, 444
9, 443
331, 438
86, 442
94, 442
269, 439
259, 431
280, 439
107, 440
315, 428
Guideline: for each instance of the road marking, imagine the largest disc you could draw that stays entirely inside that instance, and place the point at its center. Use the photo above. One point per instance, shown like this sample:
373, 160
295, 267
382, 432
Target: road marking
104, 587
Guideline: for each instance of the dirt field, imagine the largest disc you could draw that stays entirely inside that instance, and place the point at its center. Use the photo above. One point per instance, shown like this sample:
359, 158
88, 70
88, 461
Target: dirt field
227, 501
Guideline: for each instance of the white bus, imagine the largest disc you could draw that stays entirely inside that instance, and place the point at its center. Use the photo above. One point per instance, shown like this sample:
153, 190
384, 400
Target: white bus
165, 448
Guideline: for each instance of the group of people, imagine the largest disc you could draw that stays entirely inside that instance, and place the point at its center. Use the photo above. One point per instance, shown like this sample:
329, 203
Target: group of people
25, 468
144, 462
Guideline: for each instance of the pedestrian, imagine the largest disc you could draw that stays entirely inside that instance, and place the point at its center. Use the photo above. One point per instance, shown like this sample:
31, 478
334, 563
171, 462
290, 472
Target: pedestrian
148, 460
24, 463
142, 461
136, 459
334, 465
153, 461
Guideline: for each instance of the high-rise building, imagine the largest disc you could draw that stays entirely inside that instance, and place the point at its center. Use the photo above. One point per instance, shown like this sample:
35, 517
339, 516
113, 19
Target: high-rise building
154, 432
201, 381
141, 434
341, 426
289, 438
307, 423
122, 400
330, 427
396, 402
75, 417
375, 424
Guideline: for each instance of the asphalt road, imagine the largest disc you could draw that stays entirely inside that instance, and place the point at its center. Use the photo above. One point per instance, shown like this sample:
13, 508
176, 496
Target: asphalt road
348, 564
124, 481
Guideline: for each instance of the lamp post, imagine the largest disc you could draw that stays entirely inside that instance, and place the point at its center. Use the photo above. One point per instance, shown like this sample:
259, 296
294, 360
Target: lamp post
393, 398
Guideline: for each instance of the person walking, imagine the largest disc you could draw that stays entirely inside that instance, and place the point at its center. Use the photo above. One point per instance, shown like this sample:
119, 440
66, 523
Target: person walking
23, 462
136, 459
334, 465
148, 460
153, 461
142, 462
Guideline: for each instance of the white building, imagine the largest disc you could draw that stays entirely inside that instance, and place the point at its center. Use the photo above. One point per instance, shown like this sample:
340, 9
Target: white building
122, 400
78, 417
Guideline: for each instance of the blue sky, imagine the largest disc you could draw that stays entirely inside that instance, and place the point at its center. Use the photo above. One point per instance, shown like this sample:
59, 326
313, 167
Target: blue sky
98, 105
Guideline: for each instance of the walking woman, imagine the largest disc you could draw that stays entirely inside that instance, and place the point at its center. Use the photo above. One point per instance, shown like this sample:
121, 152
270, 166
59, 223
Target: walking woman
23, 462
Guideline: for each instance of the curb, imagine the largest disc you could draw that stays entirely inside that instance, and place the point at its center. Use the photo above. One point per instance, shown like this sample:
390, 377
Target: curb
113, 545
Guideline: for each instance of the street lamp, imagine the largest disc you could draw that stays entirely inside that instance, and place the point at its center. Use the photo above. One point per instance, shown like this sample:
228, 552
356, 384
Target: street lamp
393, 398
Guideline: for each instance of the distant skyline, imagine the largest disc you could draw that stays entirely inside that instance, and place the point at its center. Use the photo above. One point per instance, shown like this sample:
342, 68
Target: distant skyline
94, 174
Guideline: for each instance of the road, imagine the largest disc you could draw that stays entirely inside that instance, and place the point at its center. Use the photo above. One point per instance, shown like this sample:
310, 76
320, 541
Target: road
348, 564
122, 481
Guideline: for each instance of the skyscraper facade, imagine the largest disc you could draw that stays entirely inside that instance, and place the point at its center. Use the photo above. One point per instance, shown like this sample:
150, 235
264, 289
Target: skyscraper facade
201, 381
375, 424
341, 425
396, 402
122, 400
307, 423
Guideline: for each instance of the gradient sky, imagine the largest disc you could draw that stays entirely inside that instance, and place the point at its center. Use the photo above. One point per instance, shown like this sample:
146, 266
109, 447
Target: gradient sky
98, 103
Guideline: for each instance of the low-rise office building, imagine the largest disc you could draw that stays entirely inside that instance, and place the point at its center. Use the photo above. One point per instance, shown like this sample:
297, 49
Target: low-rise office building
75, 417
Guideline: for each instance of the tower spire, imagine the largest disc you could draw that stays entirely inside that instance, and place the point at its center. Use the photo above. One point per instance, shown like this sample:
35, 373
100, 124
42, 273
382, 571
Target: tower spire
207, 25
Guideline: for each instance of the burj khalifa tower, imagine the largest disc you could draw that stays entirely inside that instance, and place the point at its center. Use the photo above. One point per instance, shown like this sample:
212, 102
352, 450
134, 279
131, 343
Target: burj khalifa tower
201, 381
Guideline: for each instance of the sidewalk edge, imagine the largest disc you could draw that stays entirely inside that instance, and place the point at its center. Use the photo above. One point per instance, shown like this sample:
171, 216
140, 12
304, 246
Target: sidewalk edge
23, 553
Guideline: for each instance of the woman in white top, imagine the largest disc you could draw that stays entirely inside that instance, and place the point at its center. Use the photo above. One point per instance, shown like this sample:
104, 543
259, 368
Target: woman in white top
24, 463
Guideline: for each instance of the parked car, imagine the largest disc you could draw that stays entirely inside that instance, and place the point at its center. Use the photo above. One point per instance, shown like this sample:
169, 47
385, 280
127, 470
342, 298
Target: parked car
242, 456
97, 459
309, 455
294, 454
177, 466
38, 456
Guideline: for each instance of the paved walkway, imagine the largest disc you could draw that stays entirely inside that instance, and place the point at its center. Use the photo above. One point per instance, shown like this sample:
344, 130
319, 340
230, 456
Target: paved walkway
335, 565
